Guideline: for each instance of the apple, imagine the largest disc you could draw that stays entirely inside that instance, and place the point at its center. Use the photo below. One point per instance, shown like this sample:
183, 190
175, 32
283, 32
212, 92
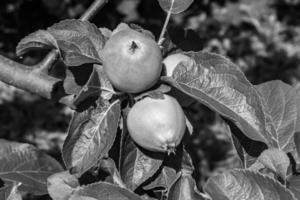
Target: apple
157, 125
132, 61
171, 61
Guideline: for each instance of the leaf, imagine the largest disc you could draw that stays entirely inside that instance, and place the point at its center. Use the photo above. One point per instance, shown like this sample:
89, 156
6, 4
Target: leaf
245, 184
173, 167
10, 192
80, 42
108, 165
185, 188
297, 143
248, 150
276, 160
175, 6
294, 185
138, 165
98, 84
281, 105
219, 84
90, 136
103, 191
38, 40
61, 185
20, 162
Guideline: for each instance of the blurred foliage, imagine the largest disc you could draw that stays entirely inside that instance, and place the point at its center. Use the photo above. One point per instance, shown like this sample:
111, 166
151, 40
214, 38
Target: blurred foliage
262, 37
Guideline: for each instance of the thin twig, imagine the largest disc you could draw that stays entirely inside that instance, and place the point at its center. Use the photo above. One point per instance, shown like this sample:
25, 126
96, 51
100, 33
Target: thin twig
92, 10
164, 29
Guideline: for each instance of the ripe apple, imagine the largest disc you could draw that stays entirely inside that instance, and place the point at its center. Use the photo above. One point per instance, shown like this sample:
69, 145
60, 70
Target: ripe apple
132, 61
157, 124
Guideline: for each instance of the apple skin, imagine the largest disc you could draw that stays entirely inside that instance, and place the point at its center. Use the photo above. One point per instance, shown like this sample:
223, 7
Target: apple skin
170, 63
157, 125
132, 61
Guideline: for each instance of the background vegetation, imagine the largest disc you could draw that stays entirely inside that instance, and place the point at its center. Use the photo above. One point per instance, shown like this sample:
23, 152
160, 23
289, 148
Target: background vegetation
262, 37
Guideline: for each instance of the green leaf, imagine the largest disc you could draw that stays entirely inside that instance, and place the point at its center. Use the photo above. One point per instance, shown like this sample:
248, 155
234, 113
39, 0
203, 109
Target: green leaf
246, 184
219, 84
297, 143
294, 185
98, 84
138, 165
282, 109
38, 40
90, 136
10, 192
103, 191
20, 162
108, 165
175, 6
61, 185
276, 160
79, 41
185, 188
173, 167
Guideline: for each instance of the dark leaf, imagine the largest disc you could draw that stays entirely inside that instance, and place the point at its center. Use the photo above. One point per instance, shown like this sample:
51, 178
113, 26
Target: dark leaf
76, 78
80, 42
219, 84
98, 84
24, 163
138, 165
246, 158
90, 136
173, 167
175, 6
38, 40
246, 184
61, 185
281, 107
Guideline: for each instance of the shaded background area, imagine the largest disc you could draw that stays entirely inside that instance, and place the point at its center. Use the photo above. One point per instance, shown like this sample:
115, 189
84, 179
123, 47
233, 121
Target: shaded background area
262, 37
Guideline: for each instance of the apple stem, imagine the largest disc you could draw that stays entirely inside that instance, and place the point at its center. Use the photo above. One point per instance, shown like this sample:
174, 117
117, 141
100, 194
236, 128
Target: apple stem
164, 29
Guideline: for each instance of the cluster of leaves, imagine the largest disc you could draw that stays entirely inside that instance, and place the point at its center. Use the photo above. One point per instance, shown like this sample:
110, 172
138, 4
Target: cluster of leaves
264, 121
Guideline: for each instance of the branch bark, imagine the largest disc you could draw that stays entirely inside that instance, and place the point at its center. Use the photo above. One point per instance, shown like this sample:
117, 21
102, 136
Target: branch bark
35, 79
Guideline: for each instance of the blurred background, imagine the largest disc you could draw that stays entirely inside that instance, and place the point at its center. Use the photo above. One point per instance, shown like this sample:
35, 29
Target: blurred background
261, 36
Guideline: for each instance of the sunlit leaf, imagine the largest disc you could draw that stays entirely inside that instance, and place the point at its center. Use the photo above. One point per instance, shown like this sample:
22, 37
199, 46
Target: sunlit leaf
246, 184
90, 136
175, 6
20, 162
